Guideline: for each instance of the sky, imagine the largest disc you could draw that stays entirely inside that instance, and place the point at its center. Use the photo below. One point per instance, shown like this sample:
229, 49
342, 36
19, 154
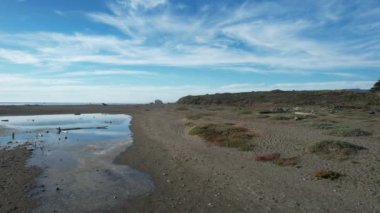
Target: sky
136, 51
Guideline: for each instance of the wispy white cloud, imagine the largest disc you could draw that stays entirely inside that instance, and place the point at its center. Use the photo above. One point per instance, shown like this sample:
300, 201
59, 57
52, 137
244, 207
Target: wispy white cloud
235, 36
109, 72
59, 12
18, 57
10, 81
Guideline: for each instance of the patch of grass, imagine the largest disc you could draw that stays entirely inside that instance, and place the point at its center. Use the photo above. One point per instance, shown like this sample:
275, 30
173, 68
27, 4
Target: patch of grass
267, 157
198, 116
292, 161
246, 147
348, 132
224, 135
245, 112
327, 174
303, 117
326, 120
277, 159
182, 108
263, 116
335, 149
325, 126
216, 109
281, 118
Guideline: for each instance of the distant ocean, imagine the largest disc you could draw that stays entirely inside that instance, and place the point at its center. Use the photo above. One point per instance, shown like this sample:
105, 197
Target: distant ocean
51, 103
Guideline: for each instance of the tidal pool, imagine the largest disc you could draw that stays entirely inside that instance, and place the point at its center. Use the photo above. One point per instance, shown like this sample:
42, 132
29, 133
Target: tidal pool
76, 154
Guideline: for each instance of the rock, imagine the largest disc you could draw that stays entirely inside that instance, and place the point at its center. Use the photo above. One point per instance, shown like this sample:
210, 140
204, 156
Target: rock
158, 102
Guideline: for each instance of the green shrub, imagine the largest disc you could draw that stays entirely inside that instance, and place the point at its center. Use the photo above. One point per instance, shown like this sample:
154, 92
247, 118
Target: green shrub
224, 135
197, 116
335, 149
327, 174
348, 132
325, 126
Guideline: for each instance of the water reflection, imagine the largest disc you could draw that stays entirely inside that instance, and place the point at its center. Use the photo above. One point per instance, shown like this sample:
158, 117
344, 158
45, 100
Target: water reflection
76, 154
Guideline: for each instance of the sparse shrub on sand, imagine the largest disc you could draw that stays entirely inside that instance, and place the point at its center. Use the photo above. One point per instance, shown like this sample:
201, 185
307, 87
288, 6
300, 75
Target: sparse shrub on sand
262, 116
292, 161
335, 149
198, 116
324, 126
245, 112
182, 108
215, 109
267, 157
281, 118
225, 135
348, 132
277, 159
327, 174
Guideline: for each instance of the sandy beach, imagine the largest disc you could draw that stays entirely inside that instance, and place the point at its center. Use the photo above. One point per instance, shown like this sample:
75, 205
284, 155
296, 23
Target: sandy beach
191, 175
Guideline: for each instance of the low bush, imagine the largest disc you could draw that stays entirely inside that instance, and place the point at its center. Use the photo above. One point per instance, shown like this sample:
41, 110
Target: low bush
197, 116
348, 132
327, 174
335, 149
225, 135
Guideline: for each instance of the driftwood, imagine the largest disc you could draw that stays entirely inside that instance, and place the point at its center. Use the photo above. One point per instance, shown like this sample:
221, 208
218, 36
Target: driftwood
79, 128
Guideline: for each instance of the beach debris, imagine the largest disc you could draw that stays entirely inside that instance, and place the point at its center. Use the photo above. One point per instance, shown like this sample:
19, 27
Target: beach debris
79, 128
304, 113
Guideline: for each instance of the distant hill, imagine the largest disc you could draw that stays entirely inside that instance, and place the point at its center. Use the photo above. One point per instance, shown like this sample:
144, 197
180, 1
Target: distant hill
322, 98
376, 87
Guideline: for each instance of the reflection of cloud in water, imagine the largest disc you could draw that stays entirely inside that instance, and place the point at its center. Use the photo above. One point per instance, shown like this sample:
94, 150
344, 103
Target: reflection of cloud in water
80, 162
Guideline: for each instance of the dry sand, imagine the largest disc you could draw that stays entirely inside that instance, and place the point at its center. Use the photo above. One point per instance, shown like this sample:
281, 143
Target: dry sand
191, 175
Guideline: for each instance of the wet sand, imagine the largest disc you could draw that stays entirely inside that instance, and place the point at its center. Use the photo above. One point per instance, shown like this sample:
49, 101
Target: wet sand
16, 180
193, 176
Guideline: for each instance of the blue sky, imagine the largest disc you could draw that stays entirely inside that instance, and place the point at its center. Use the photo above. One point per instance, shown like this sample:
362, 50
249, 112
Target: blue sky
135, 51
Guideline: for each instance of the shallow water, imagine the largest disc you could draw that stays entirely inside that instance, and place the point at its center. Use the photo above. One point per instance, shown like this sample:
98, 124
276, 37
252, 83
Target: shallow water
78, 173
